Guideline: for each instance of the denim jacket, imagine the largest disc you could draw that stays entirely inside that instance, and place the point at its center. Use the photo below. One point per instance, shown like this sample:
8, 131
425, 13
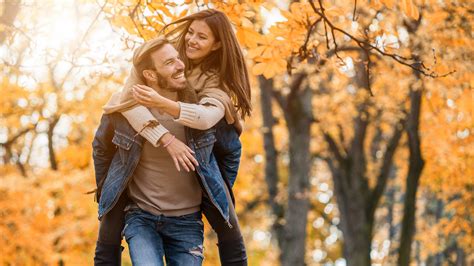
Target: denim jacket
117, 149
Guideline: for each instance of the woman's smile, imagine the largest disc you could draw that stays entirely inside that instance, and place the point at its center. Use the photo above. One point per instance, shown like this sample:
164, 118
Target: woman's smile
200, 41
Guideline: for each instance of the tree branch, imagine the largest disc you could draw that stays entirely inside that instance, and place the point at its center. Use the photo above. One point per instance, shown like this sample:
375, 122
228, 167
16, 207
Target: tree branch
387, 161
334, 149
409, 62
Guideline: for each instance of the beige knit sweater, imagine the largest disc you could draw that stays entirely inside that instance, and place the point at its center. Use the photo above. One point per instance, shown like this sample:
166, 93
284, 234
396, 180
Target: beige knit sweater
200, 86
208, 92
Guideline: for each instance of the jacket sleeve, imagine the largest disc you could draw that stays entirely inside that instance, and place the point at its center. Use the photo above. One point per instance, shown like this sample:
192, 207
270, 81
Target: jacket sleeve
103, 150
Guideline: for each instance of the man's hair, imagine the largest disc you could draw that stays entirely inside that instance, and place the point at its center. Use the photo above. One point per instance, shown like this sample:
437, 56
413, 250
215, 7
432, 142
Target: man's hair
142, 55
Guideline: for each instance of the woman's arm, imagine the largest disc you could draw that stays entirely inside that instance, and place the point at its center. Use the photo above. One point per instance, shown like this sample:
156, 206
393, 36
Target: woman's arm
148, 97
139, 118
201, 116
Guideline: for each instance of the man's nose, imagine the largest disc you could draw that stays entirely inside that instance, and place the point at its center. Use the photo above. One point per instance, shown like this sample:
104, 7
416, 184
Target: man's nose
179, 64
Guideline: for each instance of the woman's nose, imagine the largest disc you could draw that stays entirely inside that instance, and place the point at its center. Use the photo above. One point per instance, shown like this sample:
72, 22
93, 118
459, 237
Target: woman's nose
192, 40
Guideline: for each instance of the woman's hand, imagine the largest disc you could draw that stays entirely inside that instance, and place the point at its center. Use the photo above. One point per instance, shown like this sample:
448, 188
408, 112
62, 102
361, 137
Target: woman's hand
180, 152
146, 96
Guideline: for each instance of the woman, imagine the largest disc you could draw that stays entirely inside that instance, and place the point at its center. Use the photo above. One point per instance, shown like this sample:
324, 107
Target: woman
216, 71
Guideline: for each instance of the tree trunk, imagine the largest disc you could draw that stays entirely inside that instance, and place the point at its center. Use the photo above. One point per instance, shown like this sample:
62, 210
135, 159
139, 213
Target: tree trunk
357, 232
353, 187
437, 210
271, 156
460, 257
415, 168
299, 120
356, 201
352, 205
297, 111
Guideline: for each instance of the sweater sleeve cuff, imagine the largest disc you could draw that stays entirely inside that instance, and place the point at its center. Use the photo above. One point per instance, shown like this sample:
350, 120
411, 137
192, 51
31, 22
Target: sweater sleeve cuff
187, 113
139, 117
154, 134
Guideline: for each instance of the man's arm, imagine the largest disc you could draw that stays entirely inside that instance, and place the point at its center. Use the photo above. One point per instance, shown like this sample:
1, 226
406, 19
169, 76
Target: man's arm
103, 151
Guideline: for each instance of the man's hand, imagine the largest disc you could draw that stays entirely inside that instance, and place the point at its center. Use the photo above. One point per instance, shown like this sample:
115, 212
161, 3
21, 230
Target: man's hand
180, 152
146, 96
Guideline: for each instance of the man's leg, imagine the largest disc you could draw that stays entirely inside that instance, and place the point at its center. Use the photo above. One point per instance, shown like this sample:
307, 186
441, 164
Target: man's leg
231, 244
144, 241
183, 238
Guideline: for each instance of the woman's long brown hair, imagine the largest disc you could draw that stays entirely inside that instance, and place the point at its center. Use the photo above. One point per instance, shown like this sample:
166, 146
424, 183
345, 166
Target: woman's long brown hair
228, 60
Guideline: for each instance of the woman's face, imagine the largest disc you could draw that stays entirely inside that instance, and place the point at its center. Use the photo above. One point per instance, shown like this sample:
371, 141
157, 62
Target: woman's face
200, 41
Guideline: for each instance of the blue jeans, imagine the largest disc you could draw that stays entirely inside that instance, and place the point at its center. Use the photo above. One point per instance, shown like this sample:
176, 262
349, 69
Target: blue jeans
179, 239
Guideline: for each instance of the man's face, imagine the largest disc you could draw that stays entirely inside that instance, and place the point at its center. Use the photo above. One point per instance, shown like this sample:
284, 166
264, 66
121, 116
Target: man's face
169, 67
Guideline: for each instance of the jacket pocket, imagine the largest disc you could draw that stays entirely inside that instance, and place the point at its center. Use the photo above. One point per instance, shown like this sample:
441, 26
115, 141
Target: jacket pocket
124, 144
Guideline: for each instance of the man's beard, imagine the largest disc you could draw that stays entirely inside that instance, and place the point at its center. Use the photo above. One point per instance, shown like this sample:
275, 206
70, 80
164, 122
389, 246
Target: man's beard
164, 84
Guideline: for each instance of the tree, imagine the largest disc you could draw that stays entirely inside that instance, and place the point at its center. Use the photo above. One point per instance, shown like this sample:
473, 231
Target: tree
347, 95
313, 38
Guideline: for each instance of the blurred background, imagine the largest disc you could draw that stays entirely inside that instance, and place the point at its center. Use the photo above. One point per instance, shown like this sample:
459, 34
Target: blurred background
359, 150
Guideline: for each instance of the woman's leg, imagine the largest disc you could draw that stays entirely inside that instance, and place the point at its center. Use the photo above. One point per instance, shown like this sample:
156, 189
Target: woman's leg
230, 241
109, 250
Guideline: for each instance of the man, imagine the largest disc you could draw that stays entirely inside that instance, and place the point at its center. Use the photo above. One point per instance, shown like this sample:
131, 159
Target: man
164, 217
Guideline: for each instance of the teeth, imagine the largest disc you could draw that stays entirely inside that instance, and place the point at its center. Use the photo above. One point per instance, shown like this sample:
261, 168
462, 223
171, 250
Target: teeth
179, 76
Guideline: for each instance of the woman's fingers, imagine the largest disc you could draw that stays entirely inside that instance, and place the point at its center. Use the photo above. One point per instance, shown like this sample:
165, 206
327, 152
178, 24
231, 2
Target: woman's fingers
192, 159
142, 101
145, 90
141, 98
191, 156
190, 150
176, 163
141, 92
188, 162
192, 162
183, 163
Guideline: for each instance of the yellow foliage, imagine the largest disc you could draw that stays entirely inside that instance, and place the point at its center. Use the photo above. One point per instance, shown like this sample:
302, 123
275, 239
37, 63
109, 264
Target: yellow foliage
49, 207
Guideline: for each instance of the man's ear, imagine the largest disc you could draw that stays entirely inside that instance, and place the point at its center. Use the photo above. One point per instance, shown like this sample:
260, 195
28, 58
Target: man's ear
150, 75
216, 46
